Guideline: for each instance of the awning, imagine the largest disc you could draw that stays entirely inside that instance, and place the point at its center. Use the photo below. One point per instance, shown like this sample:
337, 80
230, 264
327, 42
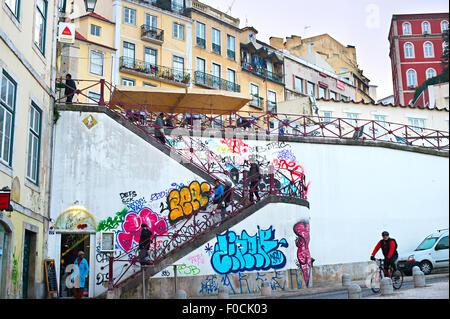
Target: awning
178, 100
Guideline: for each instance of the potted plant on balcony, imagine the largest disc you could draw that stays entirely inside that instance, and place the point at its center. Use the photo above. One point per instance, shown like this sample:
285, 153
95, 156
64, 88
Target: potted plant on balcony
187, 78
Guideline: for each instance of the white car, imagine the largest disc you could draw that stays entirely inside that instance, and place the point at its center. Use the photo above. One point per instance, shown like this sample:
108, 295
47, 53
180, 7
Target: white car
430, 254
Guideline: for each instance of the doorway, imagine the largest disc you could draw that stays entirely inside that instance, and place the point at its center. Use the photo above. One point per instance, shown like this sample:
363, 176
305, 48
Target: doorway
71, 245
3, 260
29, 265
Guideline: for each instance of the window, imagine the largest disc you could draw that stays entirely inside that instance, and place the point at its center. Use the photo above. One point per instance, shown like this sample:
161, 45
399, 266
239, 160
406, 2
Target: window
178, 68
333, 95
322, 93
272, 99
14, 6
34, 141
216, 48
406, 28
178, 31
381, 120
150, 58
150, 85
311, 89
40, 24
96, 62
127, 82
411, 78
353, 119
201, 69
254, 91
231, 47
177, 6
95, 30
298, 84
416, 122
442, 244
201, 42
431, 73
7, 109
409, 50
327, 117
444, 26
129, 16
216, 72
128, 54
151, 21
93, 97
426, 27
231, 78
428, 50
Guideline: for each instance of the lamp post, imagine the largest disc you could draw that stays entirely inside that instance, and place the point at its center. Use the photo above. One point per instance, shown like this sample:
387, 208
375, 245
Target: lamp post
90, 5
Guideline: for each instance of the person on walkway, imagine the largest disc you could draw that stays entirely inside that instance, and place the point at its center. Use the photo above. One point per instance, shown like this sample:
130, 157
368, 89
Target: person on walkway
159, 128
169, 123
144, 245
79, 277
71, 88
254, 175
389, 248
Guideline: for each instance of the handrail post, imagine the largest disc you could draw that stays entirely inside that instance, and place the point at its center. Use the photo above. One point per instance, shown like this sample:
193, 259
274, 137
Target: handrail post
110, 277
244, 182
101, 102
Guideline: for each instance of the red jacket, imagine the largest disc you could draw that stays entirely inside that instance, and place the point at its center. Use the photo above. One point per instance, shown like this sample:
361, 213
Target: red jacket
388, 248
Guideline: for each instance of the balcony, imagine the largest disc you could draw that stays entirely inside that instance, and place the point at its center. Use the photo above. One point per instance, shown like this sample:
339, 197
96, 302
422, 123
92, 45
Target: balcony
152, 34
214, 82
155, 72
257, 102
216, 49
262, 73
168, 5
201, 42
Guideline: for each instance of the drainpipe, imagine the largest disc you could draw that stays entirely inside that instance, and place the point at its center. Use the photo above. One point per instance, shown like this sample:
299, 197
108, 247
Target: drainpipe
117, 18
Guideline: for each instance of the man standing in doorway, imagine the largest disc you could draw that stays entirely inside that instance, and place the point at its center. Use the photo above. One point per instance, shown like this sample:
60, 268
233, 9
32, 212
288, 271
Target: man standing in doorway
79, 277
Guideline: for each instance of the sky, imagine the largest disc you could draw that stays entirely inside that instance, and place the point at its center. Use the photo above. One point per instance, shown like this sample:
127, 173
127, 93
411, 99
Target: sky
362, 23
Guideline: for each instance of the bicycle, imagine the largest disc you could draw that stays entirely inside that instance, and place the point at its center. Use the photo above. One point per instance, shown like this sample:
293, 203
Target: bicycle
395, 275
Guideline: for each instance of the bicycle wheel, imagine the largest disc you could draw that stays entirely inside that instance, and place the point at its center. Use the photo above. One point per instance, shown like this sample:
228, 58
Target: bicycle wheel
375, 282
397, 279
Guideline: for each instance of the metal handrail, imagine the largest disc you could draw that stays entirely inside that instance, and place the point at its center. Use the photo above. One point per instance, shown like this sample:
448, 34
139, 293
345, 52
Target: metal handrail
152, 32
212, 81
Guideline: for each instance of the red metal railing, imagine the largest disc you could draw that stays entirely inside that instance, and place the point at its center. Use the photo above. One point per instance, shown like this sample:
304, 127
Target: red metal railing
307, 126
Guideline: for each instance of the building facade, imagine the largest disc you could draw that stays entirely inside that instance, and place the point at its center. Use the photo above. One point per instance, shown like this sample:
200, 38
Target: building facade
416, 48
26, 113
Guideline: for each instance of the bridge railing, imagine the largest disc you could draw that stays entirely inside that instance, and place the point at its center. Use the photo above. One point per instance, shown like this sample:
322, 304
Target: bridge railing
307, 126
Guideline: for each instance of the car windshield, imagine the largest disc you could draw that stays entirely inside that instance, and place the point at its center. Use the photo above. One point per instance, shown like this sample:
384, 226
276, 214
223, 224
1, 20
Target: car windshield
427, 243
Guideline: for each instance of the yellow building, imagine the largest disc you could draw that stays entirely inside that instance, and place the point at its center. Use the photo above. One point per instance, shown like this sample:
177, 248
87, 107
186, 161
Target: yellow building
154, 43
26, 110
342, 58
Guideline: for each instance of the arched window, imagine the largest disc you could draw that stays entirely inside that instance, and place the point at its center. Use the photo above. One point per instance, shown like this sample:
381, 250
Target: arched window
409, 50
428, 50
411, 77
426, 27
444, 25
431, 73
406, 28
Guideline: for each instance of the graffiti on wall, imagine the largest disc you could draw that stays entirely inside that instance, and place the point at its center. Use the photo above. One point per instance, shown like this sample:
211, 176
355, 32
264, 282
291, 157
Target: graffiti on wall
301, 229
233, 253
183, 202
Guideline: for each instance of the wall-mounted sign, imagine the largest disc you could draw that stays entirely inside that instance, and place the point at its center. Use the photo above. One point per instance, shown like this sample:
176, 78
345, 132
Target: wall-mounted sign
4, 200
340, 85
66, 32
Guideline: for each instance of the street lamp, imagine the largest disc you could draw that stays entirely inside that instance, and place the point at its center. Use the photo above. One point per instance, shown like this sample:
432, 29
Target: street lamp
90, 5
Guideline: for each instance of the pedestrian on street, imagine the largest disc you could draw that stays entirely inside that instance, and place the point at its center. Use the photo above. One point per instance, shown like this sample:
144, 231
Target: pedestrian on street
159, 128
169, 123
79, 277
144, 245
71, 88
254, 175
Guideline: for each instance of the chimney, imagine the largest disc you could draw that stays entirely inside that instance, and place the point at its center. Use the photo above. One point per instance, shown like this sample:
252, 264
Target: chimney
293, 41
277, 43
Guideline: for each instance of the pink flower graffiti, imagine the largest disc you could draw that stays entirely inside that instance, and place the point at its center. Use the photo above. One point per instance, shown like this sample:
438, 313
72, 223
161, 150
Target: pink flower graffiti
301, 229
132, 227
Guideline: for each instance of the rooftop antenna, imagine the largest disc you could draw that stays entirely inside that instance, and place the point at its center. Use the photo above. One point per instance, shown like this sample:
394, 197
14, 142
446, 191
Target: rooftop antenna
306, 28
230, 6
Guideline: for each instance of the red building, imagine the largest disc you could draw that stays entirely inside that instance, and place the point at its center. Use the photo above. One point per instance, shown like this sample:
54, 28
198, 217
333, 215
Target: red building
416, 47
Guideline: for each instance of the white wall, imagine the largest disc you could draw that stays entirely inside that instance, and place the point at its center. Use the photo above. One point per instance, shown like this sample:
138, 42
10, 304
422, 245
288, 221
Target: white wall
354, 193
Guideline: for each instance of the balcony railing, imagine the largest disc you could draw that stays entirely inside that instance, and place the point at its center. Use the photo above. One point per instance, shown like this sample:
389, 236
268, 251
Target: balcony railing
168, 5
157, 72
201, 42
152, 34
214, 82
257, 102
216, 48
261, 72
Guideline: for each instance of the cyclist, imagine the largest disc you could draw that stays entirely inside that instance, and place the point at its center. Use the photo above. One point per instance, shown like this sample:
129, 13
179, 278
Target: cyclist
389, 248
